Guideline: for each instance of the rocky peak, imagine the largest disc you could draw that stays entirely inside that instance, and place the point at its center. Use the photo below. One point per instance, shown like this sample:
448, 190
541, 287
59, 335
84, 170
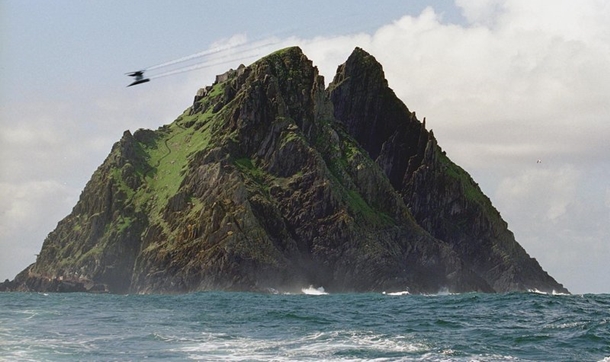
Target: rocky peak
373, 115
269, 181
442, 196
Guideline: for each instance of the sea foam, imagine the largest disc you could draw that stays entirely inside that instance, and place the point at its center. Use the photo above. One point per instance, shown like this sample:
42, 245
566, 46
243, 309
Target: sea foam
314, 291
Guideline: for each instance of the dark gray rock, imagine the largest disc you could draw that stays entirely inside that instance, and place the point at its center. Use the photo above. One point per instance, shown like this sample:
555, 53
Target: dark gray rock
442, 197
271, 182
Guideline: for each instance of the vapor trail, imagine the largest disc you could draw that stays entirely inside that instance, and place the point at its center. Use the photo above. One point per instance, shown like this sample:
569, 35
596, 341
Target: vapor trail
219, 60
216, 50
201, 66
209, 58
198, 55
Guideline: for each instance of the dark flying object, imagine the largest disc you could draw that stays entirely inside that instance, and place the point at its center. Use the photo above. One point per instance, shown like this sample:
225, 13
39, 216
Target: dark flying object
139, 77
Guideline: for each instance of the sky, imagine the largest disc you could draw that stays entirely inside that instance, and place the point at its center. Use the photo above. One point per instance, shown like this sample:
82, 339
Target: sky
517, 92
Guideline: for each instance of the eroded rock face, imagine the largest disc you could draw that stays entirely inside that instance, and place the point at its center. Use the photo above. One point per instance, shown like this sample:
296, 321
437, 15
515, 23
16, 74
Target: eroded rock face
442, 197
270, 181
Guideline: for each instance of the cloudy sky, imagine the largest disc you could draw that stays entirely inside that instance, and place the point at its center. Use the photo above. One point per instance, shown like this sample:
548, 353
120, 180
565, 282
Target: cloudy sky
503, 84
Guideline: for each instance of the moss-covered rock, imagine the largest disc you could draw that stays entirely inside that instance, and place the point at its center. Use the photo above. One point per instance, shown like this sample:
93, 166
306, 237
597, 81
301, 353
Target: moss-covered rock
269, 181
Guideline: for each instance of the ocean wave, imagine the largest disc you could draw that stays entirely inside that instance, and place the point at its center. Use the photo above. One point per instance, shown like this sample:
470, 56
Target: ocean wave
314, 291
342, 327
328, 346
554, 292
405, 292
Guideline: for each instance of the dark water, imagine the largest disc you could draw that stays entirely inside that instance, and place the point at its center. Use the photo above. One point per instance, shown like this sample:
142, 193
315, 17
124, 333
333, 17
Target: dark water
341, 327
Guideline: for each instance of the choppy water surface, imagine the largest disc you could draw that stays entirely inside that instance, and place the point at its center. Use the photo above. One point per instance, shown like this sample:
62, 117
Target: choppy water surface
223, 326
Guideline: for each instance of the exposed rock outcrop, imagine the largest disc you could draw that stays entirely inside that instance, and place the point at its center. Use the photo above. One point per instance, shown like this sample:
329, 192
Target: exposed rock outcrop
271, 181
442, 197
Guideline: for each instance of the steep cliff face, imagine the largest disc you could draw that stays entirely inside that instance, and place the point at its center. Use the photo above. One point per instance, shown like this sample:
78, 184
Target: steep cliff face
269, 181
442, 197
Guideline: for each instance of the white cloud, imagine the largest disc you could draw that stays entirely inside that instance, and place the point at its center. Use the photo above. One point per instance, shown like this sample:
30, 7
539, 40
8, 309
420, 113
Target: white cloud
26, 220
547, 192
525, 87
480, 11
559, 216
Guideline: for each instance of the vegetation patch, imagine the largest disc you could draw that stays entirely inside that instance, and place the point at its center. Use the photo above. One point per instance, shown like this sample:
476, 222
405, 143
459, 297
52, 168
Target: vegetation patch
469, 187
253, 173
364, 210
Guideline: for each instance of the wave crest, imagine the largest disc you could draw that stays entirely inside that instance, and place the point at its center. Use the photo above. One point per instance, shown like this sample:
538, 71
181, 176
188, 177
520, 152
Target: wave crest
314, 291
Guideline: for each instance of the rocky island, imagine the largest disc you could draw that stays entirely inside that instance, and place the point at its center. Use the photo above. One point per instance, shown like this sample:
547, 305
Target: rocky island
272, 181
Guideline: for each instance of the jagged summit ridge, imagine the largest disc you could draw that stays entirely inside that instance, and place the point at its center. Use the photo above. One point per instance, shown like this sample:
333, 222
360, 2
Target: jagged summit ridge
443, 198
271, 181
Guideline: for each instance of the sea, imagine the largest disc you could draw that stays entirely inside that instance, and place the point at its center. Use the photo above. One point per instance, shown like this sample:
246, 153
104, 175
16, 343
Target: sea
309, 326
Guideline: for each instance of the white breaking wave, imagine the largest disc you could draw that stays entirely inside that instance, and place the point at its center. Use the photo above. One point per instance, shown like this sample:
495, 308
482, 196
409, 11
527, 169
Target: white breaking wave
536, 291
319, 346
444, 291
314, 291
397, 293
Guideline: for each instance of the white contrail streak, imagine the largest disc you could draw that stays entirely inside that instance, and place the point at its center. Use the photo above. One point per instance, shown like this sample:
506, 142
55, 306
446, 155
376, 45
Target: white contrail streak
212, 51
216, 56
201, 66
218, 60
197, 55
